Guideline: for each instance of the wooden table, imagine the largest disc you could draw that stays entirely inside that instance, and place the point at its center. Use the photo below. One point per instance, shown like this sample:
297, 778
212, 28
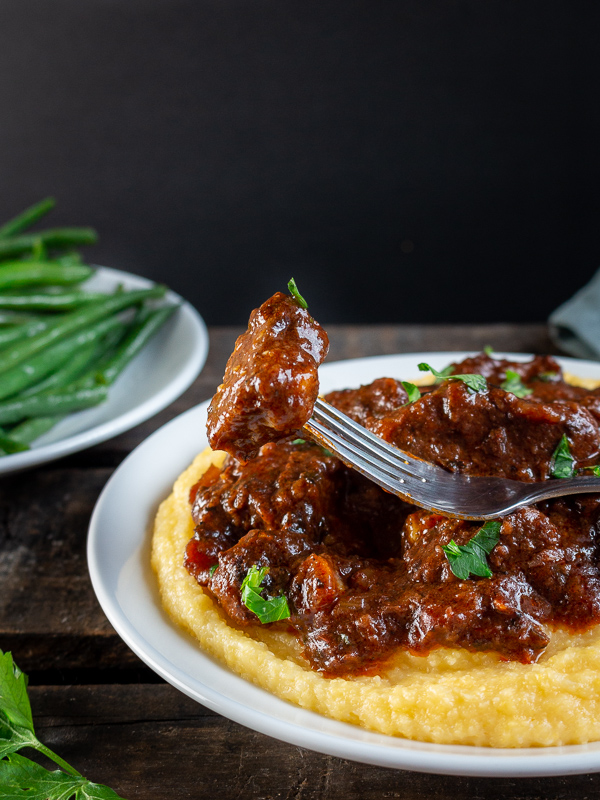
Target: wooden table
99, 707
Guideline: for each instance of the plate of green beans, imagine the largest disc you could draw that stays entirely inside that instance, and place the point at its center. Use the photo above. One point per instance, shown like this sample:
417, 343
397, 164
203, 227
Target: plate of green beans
85, 352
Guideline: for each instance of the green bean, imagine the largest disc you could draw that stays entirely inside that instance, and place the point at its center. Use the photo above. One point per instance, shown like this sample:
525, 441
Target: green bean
46, 301
27, 218
52, 237
8, 445
31, 429
72, 257
145, 323
91, 377
46, 405
27, 329
73, 322
86, 359
28, 273
142, 330
76, 376
38, 366
39, 251
67, 372
16, 318
30, 290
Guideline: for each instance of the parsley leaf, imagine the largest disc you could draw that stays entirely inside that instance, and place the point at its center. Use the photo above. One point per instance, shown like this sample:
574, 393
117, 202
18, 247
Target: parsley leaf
296, 294
476, 383
20, 776
513, 384
470, 559
16, 724
271, 609
562, 464
413, 392
488, 350
212, 570
595, 469
326, 452
548, 377
14, 702
443, 374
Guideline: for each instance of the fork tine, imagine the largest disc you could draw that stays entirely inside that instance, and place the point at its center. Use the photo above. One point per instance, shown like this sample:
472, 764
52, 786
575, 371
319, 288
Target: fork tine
394, 456
356, 458
356, 449
448, 493
332, 416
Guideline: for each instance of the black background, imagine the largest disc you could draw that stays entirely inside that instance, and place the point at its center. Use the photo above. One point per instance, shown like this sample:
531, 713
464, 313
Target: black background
404, 161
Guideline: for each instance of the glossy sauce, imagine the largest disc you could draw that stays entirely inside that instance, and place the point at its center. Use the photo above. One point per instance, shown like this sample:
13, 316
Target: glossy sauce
364, 573
271, 382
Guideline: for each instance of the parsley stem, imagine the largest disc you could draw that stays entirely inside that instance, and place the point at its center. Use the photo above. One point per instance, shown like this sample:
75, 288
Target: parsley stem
57, 760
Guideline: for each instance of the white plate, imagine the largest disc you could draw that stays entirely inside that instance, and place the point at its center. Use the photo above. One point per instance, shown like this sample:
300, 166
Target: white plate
118, 557
164, 369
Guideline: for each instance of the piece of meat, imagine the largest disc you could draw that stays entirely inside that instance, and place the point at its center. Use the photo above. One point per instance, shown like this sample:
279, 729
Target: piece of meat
271, 383
366, 574
491, 432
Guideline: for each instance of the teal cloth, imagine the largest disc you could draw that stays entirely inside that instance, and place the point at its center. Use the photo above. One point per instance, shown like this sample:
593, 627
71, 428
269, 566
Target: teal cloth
575, 326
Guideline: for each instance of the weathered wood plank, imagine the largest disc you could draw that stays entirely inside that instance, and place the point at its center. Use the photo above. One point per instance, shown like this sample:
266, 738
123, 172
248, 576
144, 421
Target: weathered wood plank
150, 742
49, 615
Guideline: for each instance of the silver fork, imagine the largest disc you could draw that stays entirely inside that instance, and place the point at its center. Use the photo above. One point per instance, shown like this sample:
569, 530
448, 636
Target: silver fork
427, 485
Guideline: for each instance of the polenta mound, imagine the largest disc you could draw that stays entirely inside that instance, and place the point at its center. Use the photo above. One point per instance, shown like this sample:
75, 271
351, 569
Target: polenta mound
447, 697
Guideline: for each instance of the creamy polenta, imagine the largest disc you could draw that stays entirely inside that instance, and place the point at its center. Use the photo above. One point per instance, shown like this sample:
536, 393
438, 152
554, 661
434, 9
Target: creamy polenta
449, 696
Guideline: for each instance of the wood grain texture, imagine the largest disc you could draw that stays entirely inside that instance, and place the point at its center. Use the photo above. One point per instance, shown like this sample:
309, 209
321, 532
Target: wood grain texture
151, 742
49, 616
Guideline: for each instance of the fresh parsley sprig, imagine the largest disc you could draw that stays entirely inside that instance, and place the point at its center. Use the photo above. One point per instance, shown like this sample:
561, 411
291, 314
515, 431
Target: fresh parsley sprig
20, 776
512, 383
470, 559
563, 463
326, 452
548, 377
413, 392
475, 382
270, 609
296, 294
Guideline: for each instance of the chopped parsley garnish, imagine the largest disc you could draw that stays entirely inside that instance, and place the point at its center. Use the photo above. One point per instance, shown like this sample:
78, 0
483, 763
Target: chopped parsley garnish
20, 776
324, 449
488, 350
475, 382
562, 465
213, 569
443, 374
513, 384
595, 469
470, 559
269, 609
413, 392
296, 294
